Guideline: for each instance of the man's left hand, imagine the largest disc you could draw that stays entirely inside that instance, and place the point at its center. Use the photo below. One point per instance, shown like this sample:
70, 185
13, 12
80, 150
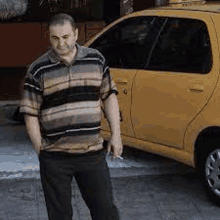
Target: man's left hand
115, 146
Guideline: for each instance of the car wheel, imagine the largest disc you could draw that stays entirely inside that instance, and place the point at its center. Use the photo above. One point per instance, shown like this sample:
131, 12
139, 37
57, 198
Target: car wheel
211, 174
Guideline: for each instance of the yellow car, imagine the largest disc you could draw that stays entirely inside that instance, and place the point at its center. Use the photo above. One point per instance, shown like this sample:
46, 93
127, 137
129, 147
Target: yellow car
166, 64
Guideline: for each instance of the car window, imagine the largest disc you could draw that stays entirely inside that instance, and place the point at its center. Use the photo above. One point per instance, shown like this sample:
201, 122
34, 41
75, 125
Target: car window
128, 44
183, 46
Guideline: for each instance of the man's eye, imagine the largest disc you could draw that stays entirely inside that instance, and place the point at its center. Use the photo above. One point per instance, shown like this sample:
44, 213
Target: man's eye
65, 37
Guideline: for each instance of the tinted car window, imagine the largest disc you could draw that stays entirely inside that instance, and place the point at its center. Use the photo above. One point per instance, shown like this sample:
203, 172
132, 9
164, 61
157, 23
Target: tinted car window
128, 44
183, 46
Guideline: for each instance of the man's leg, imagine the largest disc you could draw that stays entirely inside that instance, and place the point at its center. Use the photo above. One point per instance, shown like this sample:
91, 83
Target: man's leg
56, 176
95, 185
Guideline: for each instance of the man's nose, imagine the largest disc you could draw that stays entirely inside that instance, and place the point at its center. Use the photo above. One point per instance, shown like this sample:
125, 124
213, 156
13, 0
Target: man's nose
61, 42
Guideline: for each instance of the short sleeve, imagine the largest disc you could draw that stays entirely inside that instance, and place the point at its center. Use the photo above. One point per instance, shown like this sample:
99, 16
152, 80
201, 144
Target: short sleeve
31, 99
108, 85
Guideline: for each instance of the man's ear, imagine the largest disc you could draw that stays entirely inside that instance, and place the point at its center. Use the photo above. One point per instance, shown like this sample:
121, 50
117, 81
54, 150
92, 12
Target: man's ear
76, 32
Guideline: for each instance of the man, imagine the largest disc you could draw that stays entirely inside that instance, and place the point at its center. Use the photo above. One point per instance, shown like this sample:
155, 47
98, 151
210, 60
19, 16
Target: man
61, 102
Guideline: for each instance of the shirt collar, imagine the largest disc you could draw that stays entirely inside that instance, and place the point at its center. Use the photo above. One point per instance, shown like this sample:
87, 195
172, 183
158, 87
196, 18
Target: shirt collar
54, 58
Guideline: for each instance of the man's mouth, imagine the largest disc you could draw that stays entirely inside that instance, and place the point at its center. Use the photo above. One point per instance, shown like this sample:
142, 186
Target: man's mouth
62, 48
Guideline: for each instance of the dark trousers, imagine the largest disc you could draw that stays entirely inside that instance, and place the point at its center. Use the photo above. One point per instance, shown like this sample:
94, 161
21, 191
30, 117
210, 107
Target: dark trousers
93, 179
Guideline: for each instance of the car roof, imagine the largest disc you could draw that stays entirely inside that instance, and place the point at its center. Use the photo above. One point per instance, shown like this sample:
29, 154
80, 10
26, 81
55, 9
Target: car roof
202, 7
207, 7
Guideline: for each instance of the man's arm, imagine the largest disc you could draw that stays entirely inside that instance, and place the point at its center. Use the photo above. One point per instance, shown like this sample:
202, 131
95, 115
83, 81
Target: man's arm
113, 117
33, 130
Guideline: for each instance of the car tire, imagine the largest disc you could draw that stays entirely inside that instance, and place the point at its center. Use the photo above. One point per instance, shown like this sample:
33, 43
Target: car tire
210, 170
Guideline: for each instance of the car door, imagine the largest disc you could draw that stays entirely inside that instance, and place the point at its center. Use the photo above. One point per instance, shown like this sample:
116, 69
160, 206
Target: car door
126, 47
178, 79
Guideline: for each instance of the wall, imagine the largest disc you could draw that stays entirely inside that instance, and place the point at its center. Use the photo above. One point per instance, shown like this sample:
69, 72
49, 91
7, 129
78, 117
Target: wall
21, 44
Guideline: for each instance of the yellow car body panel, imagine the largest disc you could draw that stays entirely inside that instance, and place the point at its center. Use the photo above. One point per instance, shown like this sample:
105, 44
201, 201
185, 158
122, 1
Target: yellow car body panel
210, 115
164, 112
165, 151
123, 80
164, 103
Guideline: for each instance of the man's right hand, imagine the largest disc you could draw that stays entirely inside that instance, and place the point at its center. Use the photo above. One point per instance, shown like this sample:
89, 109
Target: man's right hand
33, 130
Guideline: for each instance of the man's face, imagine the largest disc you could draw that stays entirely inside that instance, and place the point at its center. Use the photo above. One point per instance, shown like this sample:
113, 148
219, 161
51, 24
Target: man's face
63, 38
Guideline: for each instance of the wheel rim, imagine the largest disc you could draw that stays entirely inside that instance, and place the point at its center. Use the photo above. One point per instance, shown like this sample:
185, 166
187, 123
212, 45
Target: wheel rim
212, 171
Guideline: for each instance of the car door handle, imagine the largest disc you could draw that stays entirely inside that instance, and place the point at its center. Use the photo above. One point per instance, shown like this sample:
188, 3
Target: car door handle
196, 87
122, 80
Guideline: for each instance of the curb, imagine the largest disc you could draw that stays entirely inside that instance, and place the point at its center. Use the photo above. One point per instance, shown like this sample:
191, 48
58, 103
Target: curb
118, 172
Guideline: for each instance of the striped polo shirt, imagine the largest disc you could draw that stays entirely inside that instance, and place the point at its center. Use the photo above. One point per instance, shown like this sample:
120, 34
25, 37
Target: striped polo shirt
67, 98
